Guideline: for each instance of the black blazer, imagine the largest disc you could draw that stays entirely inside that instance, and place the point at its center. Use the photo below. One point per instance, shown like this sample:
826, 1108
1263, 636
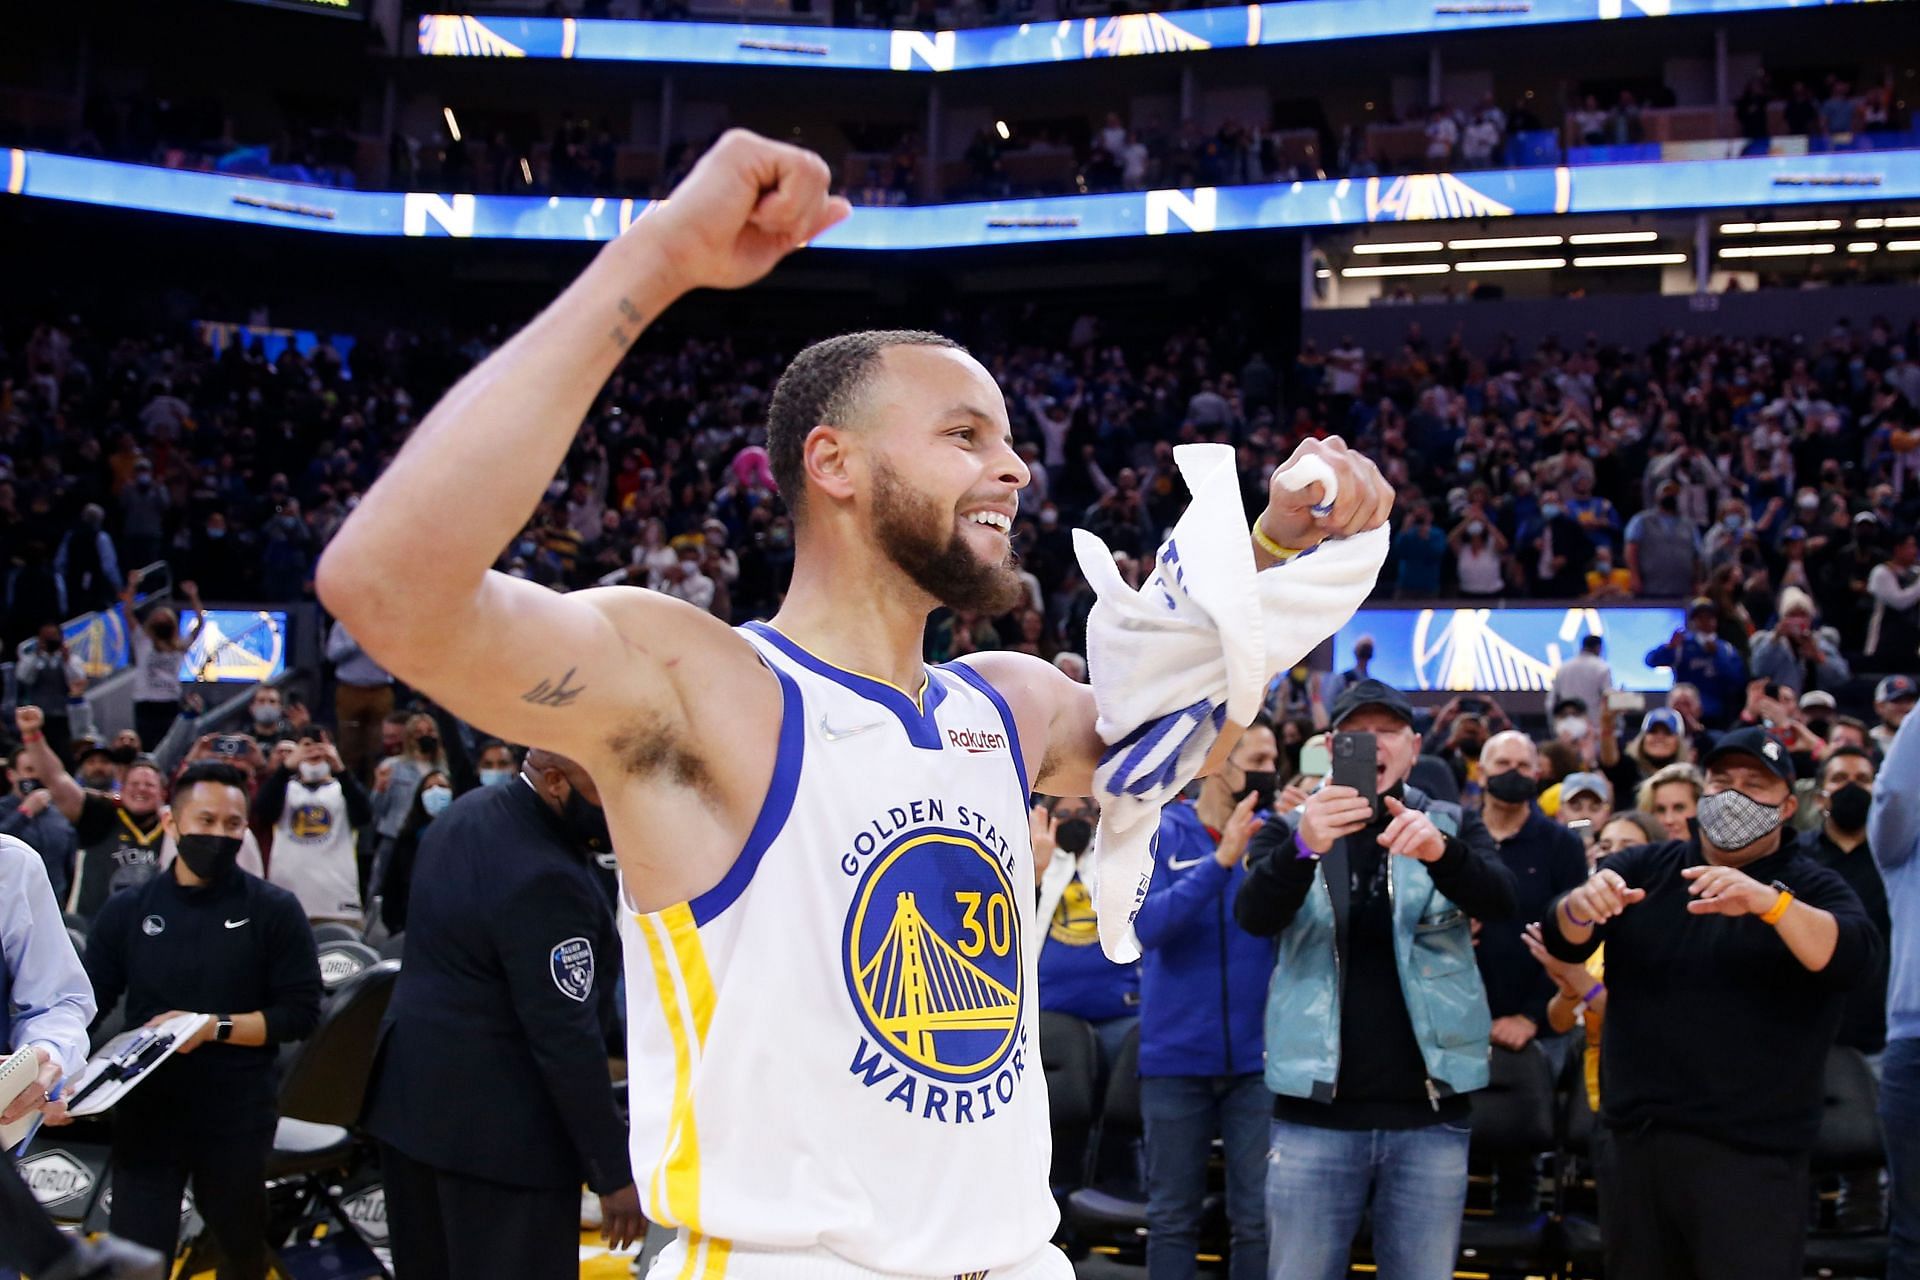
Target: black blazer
492, 1059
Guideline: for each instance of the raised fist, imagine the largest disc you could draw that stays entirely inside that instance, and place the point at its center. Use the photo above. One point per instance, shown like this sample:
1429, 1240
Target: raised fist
749, 202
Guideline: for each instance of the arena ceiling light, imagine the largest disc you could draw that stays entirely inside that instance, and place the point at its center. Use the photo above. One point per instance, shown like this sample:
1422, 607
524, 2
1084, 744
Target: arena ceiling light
1512, 264
526, 170
1615, 237
1777, 251
453, 126
1632, 260
1508, 242
1869, 224
1779, 228
1408, 269
1862, 246
1901, 222
1000, 127
1399, 246
1903, 246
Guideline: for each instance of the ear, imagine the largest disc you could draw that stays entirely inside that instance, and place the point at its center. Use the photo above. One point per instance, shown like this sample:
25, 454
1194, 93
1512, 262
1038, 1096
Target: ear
166, 820
1792, 807
827, 459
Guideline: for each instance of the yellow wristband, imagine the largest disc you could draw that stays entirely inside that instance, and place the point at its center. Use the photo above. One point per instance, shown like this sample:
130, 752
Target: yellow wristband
1778, 909
1272, 548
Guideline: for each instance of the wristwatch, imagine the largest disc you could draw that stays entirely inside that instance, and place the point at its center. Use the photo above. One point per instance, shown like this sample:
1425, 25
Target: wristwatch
223, 1030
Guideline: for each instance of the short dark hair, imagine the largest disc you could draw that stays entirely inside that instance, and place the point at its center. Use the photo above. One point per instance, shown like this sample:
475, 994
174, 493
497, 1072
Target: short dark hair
217, 772
1841, 753
821, 384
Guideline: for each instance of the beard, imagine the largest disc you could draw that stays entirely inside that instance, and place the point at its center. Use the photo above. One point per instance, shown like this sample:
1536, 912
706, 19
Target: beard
908, 525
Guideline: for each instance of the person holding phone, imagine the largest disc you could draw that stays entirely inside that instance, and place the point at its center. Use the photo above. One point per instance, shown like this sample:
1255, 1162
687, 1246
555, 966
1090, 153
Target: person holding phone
1377, 1027
315, 806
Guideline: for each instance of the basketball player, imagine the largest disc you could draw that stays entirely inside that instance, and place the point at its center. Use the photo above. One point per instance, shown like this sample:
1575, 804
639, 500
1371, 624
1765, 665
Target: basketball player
822, 841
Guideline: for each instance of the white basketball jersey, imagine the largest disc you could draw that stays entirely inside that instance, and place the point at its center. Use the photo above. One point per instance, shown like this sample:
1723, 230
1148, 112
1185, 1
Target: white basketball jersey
313, 855
837, 1048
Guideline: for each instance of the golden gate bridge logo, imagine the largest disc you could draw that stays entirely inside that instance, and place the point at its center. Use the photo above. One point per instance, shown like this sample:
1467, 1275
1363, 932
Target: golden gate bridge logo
1466, 652
934, 956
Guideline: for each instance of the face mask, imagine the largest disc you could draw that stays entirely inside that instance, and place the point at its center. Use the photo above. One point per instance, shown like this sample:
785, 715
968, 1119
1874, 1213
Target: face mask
1603, 567
1258, 782
1550, 511
428, 744
1571, 729
435, 800
266, 713
586, 823
1670, 504
209, 856
1848, 806
1511, 787
1732, 820
1074, 835
315, 772
1467, 466
1475, 529
526, 549
495, 777
216, 534
1734, 522
122, 756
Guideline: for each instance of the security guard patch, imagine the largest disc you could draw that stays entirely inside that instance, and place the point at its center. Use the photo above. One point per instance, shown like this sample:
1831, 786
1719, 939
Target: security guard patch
572, 966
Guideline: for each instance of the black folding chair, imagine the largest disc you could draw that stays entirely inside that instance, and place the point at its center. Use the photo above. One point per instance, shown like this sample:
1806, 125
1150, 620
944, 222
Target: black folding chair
1849, 1143
1512, 1124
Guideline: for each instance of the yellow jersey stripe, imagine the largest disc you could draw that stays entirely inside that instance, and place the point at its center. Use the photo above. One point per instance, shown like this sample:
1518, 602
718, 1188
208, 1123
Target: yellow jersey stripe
657, 953
683, 1159
717, 1251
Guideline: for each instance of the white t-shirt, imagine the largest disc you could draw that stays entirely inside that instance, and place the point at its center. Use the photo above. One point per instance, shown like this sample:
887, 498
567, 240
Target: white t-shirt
313, 851
156, 671
1479, 570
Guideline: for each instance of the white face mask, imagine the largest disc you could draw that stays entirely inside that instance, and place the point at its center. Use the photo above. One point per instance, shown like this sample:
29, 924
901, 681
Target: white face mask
1571, 728
315, 772
266, 713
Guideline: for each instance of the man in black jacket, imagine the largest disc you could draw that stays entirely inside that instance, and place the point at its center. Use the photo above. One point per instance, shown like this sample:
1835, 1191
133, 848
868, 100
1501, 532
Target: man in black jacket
204, 937
1729, 956
491, 1097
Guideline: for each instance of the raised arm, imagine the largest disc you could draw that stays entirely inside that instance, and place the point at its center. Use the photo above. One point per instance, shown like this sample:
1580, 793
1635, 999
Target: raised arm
68, 795
566, 671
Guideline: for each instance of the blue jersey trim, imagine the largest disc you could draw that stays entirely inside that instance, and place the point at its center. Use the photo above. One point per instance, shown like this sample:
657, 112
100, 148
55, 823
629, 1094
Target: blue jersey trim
979, 682
774, 810
918, 720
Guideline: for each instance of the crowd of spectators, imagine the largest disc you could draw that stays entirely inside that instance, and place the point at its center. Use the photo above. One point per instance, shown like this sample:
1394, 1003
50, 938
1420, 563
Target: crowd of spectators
1774, 483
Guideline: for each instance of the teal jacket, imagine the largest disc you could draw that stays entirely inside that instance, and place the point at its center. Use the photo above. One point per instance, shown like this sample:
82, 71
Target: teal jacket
1433, 947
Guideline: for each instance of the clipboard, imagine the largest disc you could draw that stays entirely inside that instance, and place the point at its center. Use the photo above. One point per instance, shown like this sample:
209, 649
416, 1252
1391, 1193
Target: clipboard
126, 1060
17, 1072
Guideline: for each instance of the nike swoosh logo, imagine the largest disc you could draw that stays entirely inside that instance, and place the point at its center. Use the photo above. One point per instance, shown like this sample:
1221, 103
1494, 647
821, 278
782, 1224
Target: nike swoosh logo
832, 734
235, 924
1174, 864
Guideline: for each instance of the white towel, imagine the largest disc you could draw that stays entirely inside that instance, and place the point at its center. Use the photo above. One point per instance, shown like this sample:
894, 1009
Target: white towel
1196, 644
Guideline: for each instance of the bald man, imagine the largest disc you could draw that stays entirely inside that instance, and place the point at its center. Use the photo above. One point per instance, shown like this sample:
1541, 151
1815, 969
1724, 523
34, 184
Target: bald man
491, 1097
1546, 860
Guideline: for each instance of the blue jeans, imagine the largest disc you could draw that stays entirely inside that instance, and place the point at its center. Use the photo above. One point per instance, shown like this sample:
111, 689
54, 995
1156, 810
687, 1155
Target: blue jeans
1183, 1115
1900, 1124
1317, 1186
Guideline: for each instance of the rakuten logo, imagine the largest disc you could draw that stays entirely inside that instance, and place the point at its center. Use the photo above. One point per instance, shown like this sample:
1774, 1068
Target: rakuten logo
977, 741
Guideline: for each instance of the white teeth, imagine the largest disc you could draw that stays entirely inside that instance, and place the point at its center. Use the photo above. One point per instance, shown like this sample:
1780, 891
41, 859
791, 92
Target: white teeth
993, 519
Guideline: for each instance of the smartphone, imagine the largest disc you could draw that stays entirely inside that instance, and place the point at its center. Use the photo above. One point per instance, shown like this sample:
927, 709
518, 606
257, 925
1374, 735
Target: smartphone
1473, 706
1355, 758
232, 744
1618, 701
1583, 827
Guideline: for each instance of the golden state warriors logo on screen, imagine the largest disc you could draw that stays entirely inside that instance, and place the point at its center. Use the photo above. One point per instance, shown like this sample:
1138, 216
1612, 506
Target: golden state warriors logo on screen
933, 955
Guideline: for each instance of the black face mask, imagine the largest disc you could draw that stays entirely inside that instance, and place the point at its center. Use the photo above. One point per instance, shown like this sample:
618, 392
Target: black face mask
122, 755
586, 823
209, 856
1258, 782
1511, 787
429, 744
1073, 835
1848, 807
1820, 727
1670, 504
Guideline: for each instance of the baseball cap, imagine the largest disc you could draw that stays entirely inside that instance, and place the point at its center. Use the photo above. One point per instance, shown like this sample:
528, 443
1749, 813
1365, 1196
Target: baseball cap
1570, 707
1896, 689
1760, 745
1585, 784
1817, 698
1371, 693
1316, 759
1662, 718
1702, 605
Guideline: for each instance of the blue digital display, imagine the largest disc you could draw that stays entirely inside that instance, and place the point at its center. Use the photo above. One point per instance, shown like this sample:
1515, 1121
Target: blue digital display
238, 645
1068, 40
1755, 182
1506, 650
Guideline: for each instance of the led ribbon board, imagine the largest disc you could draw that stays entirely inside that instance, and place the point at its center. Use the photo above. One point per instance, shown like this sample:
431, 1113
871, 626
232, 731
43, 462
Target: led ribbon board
1760, 181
